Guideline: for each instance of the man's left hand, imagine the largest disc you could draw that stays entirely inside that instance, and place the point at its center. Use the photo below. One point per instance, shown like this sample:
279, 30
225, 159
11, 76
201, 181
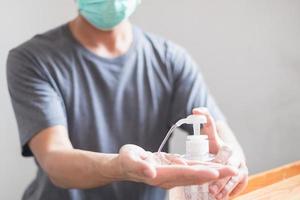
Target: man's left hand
232, 186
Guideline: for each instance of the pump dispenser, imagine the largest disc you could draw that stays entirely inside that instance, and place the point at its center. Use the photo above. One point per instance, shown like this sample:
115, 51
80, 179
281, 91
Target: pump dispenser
197, 146
195, 120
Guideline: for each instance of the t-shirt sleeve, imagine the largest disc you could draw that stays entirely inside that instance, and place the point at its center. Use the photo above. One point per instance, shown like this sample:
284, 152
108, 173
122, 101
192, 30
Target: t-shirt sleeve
35, 102
189, 88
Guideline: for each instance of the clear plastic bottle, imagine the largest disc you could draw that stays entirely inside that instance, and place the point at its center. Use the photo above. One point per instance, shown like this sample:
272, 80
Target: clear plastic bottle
197, 148
195, 145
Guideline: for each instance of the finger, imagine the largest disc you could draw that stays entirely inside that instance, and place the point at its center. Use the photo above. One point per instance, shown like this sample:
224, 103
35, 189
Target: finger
227, 171
243, 183
141, 168
136, 160
236, 183
147, 164
240, 187
224, 170
210, 164
180, 175
200, 110
224, 193
224, 186
216, 186
147, 170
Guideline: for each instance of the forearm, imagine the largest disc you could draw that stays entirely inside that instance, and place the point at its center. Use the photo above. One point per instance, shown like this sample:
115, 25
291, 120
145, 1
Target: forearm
73, 168
228, 137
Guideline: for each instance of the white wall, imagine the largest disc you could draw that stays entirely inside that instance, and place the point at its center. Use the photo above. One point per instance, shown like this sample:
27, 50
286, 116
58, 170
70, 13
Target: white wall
248, 50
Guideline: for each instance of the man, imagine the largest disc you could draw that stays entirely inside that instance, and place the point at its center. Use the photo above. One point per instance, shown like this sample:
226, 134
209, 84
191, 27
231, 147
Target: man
85, 92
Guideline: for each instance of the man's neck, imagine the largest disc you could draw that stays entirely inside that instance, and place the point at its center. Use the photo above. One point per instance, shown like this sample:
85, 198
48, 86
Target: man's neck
109, 44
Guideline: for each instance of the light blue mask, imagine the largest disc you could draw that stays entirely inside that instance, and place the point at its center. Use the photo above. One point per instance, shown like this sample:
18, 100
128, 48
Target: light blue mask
106, 14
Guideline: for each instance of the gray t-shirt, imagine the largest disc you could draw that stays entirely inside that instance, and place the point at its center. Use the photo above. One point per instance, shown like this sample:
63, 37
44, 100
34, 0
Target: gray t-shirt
104, 103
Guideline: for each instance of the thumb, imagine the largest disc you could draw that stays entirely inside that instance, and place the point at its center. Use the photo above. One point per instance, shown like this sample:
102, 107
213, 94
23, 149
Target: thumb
147, 169
144, 163
136, 163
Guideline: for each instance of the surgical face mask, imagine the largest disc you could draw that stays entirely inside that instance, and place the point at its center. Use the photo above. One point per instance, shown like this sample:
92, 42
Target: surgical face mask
106, 14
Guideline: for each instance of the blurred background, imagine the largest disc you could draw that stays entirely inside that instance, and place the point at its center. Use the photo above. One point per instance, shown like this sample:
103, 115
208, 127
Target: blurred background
248, 51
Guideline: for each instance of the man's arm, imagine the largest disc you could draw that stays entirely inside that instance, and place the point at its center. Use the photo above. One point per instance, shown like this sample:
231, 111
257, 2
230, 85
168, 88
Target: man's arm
72, 168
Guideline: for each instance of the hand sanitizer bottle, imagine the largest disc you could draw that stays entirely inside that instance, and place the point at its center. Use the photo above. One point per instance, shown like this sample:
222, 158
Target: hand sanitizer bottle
197, 148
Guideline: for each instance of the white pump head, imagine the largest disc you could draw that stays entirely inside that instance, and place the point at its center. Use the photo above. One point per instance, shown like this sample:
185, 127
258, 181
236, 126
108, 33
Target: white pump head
196, 120
197, 146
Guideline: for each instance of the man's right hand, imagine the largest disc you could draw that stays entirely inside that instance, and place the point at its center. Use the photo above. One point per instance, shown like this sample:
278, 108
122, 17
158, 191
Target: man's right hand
138, 165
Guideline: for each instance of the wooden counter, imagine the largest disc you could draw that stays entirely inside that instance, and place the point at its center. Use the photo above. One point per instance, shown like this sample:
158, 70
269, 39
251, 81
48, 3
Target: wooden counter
281, 183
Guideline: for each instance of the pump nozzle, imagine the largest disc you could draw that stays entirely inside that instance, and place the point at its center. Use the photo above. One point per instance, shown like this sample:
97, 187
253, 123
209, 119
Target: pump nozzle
196, 120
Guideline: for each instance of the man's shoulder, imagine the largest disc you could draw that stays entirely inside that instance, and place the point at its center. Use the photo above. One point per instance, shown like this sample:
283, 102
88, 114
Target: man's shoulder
49, 41
160, 44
